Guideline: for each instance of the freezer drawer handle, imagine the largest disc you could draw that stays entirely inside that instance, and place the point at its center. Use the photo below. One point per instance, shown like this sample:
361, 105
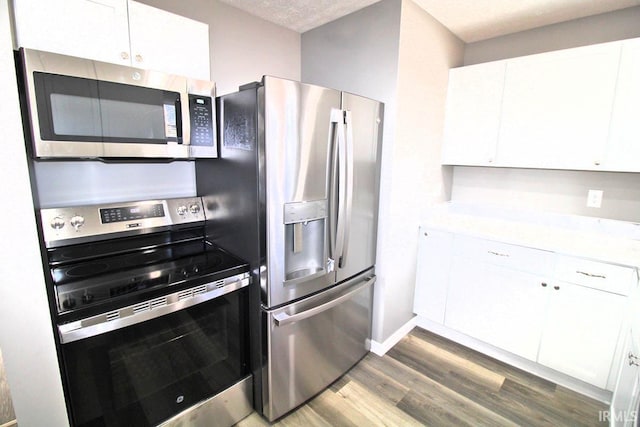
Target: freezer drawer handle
282, 319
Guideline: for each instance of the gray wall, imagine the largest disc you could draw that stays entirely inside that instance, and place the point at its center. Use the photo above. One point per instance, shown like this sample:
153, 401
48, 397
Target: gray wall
359, 54
395, 52
26, 335
545, 190
617, 25
417, 180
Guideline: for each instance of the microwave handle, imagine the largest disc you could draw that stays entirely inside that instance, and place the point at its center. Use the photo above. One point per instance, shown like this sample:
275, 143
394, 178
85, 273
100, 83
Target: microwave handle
178, 106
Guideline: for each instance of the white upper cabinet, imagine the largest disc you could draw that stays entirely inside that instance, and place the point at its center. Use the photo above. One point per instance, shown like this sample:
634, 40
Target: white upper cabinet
474, 100
117, 31
567, 109
557, 107
168, 42
94, 29
623, 149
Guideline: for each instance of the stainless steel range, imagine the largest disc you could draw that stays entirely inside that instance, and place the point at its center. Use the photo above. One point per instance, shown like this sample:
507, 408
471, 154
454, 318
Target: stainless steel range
151, 317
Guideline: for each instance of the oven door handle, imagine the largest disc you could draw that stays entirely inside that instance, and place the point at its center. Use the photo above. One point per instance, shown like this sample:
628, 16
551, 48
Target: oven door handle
147, 310
283, 318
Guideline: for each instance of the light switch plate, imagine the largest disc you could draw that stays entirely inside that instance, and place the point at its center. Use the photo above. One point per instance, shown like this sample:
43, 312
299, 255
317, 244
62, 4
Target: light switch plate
594, 198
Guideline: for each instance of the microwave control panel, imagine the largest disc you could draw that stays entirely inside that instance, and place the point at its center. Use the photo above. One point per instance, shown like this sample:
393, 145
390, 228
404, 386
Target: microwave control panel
201, 113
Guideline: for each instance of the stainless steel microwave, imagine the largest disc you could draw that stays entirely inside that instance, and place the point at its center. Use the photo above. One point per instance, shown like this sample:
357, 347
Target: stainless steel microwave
79, 108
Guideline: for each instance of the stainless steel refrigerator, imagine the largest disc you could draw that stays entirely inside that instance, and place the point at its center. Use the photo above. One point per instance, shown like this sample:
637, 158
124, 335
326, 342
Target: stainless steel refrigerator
295, 193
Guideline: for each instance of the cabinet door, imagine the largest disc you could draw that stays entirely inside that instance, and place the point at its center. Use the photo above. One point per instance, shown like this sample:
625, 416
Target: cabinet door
474, 100
581, 332
557, 107
432, 274
626, 396
167, 42
94, 29
499, 306
623, 148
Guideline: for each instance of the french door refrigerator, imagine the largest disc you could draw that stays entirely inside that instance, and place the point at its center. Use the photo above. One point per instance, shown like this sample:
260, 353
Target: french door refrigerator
295, 193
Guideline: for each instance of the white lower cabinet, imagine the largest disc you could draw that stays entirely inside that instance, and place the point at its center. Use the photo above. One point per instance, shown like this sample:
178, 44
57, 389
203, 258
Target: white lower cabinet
432, 275
561, 312
582, 328
626, 395
496, 305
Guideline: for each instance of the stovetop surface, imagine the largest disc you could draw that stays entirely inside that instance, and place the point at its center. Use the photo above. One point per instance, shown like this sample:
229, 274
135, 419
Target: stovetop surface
95, 277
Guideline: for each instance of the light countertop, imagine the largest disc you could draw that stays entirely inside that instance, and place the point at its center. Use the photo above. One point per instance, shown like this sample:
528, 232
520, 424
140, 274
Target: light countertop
616, 242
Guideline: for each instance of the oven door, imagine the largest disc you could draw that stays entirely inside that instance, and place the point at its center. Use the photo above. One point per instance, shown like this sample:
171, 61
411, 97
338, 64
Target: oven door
146, 373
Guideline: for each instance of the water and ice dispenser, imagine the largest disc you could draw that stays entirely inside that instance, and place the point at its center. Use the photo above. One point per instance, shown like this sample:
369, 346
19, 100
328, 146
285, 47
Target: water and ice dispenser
305, 239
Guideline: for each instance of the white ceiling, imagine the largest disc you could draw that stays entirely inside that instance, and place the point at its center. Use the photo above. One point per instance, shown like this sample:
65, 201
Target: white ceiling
471, 20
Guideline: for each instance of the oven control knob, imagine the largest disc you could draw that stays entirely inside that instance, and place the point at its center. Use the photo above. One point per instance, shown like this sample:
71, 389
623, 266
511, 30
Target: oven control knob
69, 303
77, 222
194, 208
182, 209
57, 223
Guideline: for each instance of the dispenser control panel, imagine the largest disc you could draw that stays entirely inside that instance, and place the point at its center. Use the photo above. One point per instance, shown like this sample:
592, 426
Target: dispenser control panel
295, 212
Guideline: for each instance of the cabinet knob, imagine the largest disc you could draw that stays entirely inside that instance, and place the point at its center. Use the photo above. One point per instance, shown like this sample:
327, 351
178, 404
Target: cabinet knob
556, 287
544, 285
633, 360
124, 55
138, 58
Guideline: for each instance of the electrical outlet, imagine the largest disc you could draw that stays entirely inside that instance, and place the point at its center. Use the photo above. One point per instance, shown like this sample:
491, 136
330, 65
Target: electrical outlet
594, 198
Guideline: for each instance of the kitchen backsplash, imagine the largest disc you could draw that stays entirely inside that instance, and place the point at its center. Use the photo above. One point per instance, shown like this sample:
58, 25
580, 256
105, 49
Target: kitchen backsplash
87, 182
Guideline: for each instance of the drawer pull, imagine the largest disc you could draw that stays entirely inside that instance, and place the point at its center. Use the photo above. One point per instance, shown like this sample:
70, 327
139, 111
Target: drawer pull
497, 253
599, 276
633, 360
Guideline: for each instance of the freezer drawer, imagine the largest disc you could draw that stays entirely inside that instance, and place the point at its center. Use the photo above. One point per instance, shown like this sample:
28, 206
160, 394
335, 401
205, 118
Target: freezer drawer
314, 341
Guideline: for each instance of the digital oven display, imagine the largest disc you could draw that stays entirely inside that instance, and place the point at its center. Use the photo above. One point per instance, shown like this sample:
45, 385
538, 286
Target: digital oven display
130, 213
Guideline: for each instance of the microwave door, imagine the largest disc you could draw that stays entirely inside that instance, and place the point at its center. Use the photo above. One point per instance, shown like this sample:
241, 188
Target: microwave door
65, 116
144, 112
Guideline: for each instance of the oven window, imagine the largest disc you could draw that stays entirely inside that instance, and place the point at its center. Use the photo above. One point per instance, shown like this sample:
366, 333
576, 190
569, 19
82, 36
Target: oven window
146, 373
78, 109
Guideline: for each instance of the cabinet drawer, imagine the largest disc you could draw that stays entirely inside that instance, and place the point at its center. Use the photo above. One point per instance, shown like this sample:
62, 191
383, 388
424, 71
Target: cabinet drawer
593, 274
502, 254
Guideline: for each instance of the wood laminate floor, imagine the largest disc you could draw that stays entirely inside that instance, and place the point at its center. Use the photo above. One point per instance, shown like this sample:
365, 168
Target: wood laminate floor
428, 380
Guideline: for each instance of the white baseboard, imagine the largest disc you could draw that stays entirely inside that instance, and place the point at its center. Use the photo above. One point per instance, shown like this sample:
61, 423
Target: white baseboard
514, 360
380, 348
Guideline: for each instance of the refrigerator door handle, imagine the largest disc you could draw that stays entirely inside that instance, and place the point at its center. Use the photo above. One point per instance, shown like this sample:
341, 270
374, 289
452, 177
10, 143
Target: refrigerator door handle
283, 318
337, 184
348, 187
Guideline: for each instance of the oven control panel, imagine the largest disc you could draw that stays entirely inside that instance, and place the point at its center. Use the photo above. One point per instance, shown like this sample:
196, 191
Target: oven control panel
69, 225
